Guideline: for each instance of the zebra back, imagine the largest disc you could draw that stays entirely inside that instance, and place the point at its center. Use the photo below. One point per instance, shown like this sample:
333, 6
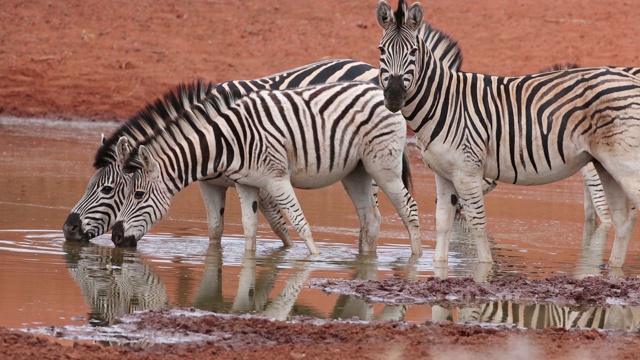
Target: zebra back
156, 116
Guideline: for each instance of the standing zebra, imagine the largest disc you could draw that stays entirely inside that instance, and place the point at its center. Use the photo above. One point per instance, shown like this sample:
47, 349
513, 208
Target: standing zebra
308, 138
96, 211
526, 130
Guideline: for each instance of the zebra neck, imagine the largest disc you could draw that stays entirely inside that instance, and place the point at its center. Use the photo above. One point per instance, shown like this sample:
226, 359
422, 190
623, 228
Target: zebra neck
432, 98
199, 149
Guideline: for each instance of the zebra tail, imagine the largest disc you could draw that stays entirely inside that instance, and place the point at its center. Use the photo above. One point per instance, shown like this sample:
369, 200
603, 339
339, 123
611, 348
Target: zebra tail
406, 169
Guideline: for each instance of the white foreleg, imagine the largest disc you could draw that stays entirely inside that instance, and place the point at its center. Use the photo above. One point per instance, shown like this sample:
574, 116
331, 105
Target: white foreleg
249, 196
446, 203
214, 200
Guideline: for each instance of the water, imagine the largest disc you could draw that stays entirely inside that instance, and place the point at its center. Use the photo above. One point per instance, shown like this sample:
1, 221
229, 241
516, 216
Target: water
536, 232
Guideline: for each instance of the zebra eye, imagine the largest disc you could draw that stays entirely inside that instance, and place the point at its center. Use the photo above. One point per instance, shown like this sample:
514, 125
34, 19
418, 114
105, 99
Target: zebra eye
106, 189
413, 51
382, 50
138, 195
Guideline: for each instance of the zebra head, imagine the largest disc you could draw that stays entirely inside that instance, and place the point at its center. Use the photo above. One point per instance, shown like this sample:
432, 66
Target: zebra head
147, 199
96, 211
398, 50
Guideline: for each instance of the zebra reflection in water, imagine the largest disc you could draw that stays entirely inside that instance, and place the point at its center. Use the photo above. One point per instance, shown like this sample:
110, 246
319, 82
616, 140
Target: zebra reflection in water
540, 316
114, 282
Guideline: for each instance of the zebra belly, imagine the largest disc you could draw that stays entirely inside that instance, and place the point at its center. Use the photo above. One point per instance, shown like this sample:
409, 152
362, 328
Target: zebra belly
305, 180
450, 164
542, 175
219, 180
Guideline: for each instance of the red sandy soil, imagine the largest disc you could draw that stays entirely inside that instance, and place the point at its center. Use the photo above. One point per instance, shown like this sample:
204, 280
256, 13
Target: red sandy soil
106, 60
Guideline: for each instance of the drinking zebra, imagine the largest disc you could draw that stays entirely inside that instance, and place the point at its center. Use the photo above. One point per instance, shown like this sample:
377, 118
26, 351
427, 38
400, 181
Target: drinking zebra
525, 130
307, 138
96, 211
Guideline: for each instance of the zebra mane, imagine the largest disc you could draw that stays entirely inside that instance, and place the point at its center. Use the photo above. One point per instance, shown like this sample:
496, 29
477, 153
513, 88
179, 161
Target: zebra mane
400, 13
558, 66
153, 118
442, 46
186, 96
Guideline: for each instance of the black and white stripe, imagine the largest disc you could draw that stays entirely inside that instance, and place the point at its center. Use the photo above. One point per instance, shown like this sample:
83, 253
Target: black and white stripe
96, 211
541, 316
307, 138
526, 130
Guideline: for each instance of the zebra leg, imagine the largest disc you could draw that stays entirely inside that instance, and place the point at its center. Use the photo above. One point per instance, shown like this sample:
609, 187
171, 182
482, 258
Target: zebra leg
446, 204
282, 191
391, 184
249, 196
214, 200
271, 212
470, 190
358, 186
622, 213
595, 202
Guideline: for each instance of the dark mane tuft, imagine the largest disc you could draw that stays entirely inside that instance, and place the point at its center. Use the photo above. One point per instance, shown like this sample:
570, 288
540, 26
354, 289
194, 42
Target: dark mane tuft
442, 46
153, 118
400, 13
558, 66
132, 163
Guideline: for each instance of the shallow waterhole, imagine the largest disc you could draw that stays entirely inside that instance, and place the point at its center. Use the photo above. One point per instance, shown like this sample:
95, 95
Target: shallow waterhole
536, 232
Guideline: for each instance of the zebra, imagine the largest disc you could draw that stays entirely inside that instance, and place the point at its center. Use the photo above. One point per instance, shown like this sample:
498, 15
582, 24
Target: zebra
308, 137
525, 130
595, 202
96, 211
94, 214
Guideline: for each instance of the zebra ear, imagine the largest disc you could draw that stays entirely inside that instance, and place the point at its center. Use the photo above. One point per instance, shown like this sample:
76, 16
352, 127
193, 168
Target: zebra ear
102, 139
149, 164
384, 15
123, 148
415, 17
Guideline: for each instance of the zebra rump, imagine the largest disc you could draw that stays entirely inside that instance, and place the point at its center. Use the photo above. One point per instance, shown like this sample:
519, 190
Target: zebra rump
526, 130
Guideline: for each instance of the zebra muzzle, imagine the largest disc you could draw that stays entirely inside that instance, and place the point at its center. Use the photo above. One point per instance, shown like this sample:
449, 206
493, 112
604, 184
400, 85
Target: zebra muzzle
394, 93
72, 228
118, 238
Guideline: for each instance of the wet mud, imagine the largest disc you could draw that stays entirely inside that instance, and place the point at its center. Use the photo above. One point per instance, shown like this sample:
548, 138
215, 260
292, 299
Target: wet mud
559, 290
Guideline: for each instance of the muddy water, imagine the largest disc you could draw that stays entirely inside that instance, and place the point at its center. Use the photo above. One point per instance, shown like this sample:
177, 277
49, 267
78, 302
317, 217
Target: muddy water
45, 165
